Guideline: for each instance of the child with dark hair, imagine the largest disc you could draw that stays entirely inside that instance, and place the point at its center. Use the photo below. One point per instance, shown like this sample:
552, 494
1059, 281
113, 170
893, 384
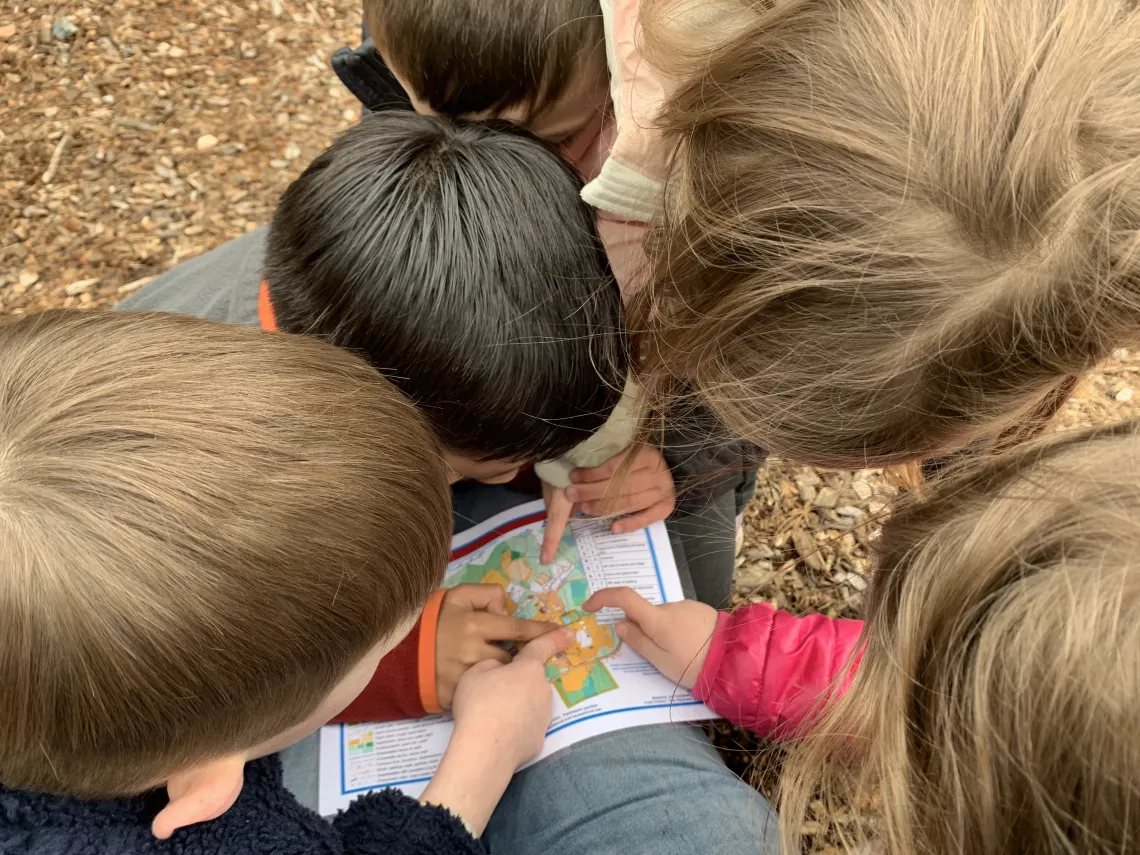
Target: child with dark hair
425, 255
457, 259
570, 71
540, 65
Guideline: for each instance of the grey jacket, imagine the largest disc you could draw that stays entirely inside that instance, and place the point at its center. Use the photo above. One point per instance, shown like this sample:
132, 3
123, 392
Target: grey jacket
221, 285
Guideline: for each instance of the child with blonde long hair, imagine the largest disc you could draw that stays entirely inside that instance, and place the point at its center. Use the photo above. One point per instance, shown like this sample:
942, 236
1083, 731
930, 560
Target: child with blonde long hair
992, 698
893, 227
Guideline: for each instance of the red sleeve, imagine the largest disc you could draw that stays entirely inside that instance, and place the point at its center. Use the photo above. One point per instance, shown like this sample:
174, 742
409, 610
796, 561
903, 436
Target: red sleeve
393, 692
404, 683
769, 671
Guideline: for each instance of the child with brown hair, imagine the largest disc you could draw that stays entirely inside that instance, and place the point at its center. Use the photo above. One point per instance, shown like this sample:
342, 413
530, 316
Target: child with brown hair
893, 227
210, 537
569, 71
540, 65
991, 703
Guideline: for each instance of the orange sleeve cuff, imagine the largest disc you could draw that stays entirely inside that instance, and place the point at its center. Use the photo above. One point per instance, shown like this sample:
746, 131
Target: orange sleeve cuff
429, 623
265, 315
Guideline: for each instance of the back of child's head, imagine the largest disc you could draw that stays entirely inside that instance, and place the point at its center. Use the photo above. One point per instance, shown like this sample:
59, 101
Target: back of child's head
486, 56
203, 528
997, 705
457, 258
894, 226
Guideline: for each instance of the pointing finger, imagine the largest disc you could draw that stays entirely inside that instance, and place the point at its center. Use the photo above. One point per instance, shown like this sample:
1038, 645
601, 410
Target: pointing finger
637, 609
545, 646
557, 517
499, 628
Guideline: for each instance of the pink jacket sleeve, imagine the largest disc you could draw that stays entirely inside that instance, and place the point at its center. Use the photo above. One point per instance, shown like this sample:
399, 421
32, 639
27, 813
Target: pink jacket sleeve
767, 670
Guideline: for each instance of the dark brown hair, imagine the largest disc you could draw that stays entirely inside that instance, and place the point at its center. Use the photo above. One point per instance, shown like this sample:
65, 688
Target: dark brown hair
471, 56
893, 227
203, 528
458, 258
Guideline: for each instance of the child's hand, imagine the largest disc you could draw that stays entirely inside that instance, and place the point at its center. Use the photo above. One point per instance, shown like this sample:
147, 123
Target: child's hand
647, 495
471, 619
674, 637
501, 716
559, 509
646, 489
509, 706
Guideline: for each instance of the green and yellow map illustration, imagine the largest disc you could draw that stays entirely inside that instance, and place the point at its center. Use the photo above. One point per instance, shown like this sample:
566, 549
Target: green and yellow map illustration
555, 593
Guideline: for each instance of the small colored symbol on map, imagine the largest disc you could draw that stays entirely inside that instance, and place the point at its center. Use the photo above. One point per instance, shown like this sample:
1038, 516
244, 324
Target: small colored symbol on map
361, 744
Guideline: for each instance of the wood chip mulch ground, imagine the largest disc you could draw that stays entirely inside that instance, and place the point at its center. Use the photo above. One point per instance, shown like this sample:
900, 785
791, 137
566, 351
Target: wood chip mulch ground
135, 134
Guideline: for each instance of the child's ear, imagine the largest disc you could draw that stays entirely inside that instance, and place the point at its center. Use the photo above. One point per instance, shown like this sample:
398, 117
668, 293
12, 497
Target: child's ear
200, 794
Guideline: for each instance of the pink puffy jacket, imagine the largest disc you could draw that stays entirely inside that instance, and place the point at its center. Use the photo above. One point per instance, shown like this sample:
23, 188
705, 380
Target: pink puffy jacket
767, 670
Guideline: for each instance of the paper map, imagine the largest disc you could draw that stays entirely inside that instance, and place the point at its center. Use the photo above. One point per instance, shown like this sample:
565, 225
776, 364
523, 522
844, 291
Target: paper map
598, 685
552, 593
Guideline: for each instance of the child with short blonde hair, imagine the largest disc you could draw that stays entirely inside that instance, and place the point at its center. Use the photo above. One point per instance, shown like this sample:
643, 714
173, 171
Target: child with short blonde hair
991, 703
210, 536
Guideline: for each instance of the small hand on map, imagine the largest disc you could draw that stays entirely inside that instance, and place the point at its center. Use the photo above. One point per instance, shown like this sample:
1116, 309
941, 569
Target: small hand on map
550, 594
674, 637
473, 620
600, 686
641, 494
501, 715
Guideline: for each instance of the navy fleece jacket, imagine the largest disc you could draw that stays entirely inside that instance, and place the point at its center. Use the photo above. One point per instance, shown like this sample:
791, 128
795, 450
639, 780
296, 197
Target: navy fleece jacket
265, 820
